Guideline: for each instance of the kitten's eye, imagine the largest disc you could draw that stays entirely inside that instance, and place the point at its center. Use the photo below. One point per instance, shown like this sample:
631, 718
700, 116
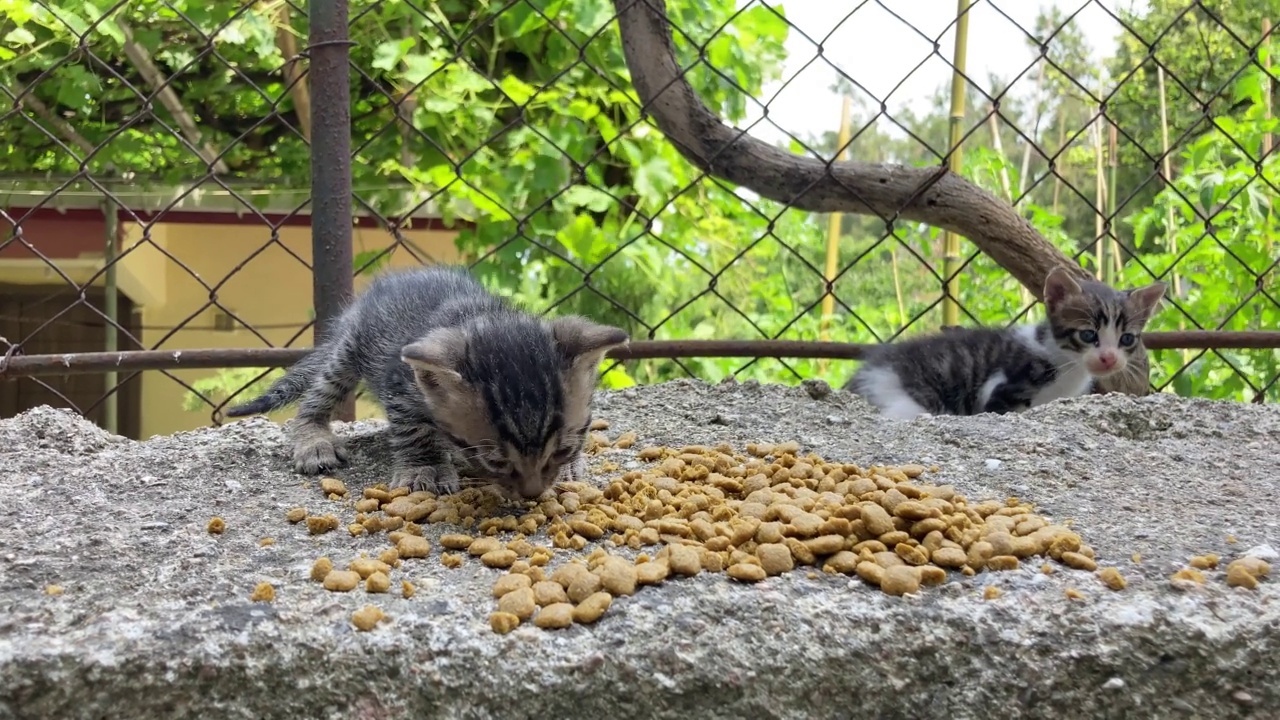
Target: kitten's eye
1087, 336
501, 466
1127, 339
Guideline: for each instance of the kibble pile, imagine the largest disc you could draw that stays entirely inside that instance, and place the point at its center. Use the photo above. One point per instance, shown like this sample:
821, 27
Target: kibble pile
697, 509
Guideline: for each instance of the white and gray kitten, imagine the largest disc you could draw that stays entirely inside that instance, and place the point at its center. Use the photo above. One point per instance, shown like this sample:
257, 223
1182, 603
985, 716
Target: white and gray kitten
474, 388
1090, 332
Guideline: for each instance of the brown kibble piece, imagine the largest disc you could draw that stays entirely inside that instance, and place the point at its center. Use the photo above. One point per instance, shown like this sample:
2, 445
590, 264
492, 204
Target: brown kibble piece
746, 572
519, 603
652, 573
452, 561
1254, 566
263, 592
876, 519
901, 580
1002, 563
455, 541
367, 566
932, 575
510, 583
592, 608
618, 576
870, 572
1079, 562
378, 582
1073, 594
216, 526
53, 590
367, 617
684, 560
413, 546
775, 558
991, 592
321, 569
320, 524
949, 557
842, 562
548, 593
407, 589
586, 529
583, 586
1205, 562
296, 515
1237, 576
503, 622
332, 486
554, 617
502, 558
1112, 578
480, 546
341, 580
625, 440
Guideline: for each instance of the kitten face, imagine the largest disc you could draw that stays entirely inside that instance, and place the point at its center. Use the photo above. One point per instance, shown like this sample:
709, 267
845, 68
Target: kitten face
511, 394
1097, 323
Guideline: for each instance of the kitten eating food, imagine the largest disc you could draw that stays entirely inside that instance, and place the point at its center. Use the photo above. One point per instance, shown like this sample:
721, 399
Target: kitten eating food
472, 386
1090, 332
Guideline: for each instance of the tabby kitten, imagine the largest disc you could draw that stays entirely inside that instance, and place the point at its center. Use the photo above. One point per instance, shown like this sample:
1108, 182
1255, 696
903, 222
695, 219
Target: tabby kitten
473, 387
1090, 332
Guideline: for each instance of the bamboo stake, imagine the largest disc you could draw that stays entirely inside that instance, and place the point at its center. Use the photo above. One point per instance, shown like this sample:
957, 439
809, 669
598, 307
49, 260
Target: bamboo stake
951, 256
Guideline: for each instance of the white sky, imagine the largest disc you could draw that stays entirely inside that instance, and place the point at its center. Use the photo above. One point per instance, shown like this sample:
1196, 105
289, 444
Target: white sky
878, 50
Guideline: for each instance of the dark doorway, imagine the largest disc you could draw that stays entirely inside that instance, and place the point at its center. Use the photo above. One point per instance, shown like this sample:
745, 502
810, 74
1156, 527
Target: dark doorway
24, 309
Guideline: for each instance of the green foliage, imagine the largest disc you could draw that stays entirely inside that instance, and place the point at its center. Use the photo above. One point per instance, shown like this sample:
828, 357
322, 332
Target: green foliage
526, 126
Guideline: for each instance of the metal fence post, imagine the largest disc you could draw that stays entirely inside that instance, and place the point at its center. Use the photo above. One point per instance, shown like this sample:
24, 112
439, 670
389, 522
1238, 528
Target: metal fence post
332, 262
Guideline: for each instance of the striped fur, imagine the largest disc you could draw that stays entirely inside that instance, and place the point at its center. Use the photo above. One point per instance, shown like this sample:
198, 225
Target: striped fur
1090, 332
474, 388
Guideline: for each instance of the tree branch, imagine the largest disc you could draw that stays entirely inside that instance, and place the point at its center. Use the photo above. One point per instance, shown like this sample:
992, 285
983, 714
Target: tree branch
934, 196
141, 59
64, 128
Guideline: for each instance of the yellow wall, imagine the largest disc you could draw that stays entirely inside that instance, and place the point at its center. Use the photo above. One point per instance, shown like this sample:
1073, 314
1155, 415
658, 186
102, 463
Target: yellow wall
270, 293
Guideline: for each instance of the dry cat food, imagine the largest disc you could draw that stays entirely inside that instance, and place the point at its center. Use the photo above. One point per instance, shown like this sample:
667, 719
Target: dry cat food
367, 617
263, 592
696, 509
216, 526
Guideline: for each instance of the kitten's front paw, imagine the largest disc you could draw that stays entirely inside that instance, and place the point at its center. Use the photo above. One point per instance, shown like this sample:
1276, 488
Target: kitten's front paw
575, 471
439, 480
314, 455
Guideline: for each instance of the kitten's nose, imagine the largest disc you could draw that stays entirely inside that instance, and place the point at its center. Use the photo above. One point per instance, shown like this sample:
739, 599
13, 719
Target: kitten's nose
1107, 359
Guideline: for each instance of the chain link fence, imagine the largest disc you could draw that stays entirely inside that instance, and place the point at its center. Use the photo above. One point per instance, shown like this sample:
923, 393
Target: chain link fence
192, 191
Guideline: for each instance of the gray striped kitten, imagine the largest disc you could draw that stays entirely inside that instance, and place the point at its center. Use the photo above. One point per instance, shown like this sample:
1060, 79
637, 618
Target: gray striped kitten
473, 387
1090, 332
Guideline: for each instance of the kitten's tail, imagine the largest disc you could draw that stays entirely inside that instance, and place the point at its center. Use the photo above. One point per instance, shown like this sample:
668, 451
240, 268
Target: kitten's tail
286, 390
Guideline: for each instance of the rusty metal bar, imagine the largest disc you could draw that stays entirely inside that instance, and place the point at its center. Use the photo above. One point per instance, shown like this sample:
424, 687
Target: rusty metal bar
84, 363
330, 76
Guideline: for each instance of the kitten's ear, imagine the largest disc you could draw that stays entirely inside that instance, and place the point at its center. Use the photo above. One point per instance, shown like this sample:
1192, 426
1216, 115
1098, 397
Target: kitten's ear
585, 342
1146, 300
436, 356
1058, 286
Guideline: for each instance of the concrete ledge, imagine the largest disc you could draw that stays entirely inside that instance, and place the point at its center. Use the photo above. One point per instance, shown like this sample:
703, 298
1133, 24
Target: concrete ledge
156, 622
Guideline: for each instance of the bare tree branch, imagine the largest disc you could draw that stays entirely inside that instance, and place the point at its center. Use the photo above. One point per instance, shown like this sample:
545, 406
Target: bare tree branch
934, 196
141, 59
64, 128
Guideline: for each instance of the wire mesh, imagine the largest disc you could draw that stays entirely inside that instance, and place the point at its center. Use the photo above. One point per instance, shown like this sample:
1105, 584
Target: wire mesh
518, 137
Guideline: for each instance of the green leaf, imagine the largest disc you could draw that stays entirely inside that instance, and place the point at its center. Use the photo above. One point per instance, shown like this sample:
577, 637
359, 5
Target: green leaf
19, 36
591, 198
418, 67
387, 55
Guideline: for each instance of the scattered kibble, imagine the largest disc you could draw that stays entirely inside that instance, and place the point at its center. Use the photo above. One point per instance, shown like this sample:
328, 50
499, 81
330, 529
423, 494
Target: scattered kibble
1187, 579
554, 616
296, 515
378, 582
321, 569
503, 622
1246, 572
263, 592
320, 524
216, 526
407, 589
991, 592
367, 617
1112, 578
1205, 562
341, 580
53, 590
332, 486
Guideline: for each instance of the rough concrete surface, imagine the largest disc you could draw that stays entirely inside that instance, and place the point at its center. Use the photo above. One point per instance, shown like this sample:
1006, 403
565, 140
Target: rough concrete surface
156, 621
